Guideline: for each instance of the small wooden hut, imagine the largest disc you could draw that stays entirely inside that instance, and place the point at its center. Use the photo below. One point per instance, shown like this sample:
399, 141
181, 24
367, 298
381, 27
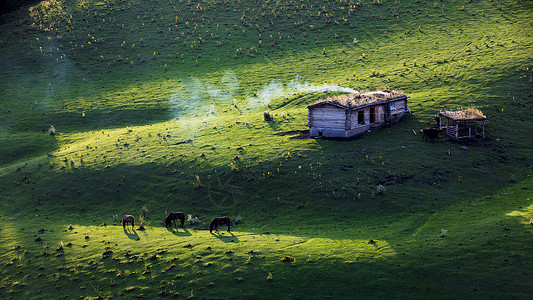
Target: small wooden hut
347, 115
463, 124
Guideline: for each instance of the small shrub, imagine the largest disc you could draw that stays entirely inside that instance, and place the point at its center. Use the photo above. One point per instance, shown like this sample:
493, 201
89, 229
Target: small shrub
237, 220
144, 210
443, 232
269, 277
193, 221
52, 130
287, 259
268, 115
142, 224
376, 73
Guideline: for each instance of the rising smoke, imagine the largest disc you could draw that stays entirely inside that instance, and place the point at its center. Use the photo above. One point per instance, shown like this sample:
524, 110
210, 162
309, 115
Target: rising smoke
197, 98
276, 89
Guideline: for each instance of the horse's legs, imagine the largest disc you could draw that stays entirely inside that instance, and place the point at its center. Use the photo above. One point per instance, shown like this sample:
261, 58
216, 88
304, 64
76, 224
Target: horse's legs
228, 227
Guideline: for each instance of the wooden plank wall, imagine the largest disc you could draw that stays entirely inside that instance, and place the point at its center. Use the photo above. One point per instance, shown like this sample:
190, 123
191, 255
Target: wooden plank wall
327, 116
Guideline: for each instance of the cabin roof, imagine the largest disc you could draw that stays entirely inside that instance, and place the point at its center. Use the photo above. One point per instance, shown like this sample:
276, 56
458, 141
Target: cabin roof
357, 100
471, 114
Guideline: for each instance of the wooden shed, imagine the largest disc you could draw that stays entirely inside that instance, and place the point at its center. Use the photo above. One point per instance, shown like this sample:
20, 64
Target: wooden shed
347, 115
462, 124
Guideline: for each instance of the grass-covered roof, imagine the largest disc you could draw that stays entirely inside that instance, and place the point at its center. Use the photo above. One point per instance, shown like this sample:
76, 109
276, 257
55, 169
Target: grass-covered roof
471, 114
357, 100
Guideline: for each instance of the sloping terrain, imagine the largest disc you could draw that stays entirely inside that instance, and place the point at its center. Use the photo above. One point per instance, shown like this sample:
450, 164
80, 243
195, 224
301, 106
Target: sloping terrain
156, 106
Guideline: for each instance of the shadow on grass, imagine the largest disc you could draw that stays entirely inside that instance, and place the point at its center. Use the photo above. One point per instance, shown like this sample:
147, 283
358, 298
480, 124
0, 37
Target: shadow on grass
227, 237
177, 232
132, 235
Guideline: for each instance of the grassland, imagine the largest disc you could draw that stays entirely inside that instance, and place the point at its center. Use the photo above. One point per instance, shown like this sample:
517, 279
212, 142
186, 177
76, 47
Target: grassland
157, 106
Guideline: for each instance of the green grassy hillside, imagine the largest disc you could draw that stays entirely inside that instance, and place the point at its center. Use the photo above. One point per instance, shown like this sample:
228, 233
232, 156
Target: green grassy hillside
157, 106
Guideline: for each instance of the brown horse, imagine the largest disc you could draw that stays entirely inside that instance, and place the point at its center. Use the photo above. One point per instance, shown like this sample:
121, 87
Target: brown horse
218, 221
128, 219
172, 217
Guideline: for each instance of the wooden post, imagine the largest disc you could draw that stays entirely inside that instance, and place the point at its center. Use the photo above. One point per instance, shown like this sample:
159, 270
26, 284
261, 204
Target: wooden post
348, 121
457, 130
483, 127
469, 132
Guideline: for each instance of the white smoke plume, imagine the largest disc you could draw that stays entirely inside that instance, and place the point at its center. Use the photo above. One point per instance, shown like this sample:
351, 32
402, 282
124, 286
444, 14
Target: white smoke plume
276, 89
196, 98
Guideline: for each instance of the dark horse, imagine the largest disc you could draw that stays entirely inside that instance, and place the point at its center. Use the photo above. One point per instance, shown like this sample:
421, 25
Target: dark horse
172, 217
128, 219
218, 221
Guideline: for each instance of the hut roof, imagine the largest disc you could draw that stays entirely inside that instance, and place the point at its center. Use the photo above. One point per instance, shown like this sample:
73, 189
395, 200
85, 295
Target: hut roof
357, 100
471, 114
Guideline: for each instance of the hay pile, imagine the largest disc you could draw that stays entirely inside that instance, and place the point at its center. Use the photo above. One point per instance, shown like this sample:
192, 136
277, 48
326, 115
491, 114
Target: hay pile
361, 99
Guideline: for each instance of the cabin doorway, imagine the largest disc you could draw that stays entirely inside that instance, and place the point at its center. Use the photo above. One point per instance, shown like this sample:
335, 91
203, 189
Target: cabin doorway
372, 115
361, 117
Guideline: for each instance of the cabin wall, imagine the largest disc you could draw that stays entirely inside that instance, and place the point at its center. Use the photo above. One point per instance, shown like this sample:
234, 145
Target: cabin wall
332, 121
400, 106
327, 121
396, 110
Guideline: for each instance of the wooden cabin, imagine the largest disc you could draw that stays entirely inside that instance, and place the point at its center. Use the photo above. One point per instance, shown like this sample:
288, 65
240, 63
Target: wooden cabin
347, 115
463, 124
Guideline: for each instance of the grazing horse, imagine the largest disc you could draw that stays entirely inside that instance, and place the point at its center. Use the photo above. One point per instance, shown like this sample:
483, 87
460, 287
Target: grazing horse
431, 133
128, 219
172, 217
218, 221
